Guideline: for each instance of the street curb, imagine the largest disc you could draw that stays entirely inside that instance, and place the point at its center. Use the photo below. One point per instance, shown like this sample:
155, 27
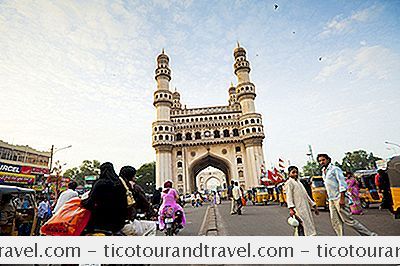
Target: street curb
209, 226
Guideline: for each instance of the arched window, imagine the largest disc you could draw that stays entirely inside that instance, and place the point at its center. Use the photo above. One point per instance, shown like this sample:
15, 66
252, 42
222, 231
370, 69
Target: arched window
197, 135
166, 128
235, 132
160, 128
179, 153
180, 178
155, 129
155, 137
216, 134
166, 137
247, 130
252, 121
188, 136
226, 133
161, 137
246, 122
240, 173
253, 129
179, 164
237, 149
179, 137
239, 160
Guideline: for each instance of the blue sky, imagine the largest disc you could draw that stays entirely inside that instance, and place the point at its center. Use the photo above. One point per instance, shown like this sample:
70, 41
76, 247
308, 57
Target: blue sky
82, 72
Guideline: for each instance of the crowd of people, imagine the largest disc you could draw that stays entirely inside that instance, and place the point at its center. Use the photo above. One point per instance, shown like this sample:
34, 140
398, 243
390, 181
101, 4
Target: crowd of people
115, 201
343, 200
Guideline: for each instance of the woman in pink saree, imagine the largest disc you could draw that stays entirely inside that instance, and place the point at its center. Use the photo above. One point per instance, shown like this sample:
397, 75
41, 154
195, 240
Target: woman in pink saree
353, 190
169, 198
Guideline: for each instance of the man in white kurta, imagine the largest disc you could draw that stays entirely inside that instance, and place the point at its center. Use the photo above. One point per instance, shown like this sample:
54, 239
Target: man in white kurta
299, 203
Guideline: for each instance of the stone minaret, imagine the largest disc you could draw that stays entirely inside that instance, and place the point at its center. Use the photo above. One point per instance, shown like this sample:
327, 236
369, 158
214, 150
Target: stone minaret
163, 131
232, 95
176, 100
251, 130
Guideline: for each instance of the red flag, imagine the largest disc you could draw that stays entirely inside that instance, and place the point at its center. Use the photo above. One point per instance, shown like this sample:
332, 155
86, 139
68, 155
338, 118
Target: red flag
278, 176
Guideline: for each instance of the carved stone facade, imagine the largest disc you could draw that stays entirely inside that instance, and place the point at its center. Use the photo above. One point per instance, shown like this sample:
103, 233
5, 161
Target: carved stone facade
188, 141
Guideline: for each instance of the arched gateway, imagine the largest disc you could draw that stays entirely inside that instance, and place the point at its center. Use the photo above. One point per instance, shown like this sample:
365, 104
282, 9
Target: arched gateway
228, 138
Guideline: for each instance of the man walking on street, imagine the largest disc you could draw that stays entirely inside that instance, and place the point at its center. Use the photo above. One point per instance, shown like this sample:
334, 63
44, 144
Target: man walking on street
236, 199
339, 207
230, 197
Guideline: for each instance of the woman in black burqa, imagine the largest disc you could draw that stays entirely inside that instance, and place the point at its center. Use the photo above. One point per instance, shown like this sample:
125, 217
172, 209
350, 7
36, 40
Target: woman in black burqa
107, 202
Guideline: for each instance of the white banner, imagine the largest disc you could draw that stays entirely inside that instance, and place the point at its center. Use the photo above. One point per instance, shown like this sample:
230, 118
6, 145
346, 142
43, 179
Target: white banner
200, 250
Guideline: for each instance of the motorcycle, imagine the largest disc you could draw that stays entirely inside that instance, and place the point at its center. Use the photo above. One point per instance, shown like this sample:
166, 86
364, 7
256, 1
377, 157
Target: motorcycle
172, 220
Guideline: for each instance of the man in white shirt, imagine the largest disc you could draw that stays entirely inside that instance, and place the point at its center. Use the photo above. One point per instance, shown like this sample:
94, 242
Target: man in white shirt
339, 207
237, 199
66, 195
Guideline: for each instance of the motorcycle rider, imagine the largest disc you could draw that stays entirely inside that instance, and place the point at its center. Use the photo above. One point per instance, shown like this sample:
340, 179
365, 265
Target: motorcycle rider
169, 198
128, 173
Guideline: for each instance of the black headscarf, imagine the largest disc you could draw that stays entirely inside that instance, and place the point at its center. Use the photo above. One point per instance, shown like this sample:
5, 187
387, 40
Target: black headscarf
107, 172
107, 201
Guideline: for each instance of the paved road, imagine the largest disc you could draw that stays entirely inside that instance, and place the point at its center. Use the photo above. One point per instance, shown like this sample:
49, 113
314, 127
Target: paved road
272, 221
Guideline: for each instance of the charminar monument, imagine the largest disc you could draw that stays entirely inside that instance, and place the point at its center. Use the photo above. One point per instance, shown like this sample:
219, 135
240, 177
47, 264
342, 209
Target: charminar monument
189, 140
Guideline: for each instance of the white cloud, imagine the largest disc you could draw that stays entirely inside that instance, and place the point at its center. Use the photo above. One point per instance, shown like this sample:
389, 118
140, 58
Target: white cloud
366, 62
375, 61
340, 24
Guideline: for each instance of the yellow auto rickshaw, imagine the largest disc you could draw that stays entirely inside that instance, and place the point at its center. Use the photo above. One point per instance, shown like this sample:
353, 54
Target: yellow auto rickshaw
281, 195
319, 192
393, 169
368, 191
262, 195
22, 202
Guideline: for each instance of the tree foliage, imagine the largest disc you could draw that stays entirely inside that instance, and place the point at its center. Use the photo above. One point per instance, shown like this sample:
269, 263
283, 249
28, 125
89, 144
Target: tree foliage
85, 169
358, 160
146, 176
312, 168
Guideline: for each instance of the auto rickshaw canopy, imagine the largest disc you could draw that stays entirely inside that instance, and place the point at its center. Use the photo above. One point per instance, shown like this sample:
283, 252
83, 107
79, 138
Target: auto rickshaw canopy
393, 171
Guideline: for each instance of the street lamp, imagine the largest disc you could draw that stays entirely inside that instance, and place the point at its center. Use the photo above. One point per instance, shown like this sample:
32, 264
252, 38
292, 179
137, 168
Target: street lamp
54, 151
391, 143
394, 144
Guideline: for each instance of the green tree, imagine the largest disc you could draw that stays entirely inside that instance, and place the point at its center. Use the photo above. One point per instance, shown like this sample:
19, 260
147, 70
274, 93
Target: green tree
146, 176
358, 160
312, 168
85, 169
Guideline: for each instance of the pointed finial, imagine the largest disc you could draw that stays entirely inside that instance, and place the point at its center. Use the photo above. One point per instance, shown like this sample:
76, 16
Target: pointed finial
238, 44
162, 50
175, 89
231, 84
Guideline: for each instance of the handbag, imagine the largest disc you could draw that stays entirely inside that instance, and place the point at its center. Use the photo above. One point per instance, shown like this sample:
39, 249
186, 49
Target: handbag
129, 196
70, 220
243, 201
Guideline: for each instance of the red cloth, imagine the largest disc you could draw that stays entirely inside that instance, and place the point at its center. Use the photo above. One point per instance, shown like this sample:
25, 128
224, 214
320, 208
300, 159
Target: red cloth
377, 180
70, 220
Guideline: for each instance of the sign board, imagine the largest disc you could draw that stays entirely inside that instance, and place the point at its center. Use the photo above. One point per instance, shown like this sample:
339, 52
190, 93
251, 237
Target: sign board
16, 178
20, 169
